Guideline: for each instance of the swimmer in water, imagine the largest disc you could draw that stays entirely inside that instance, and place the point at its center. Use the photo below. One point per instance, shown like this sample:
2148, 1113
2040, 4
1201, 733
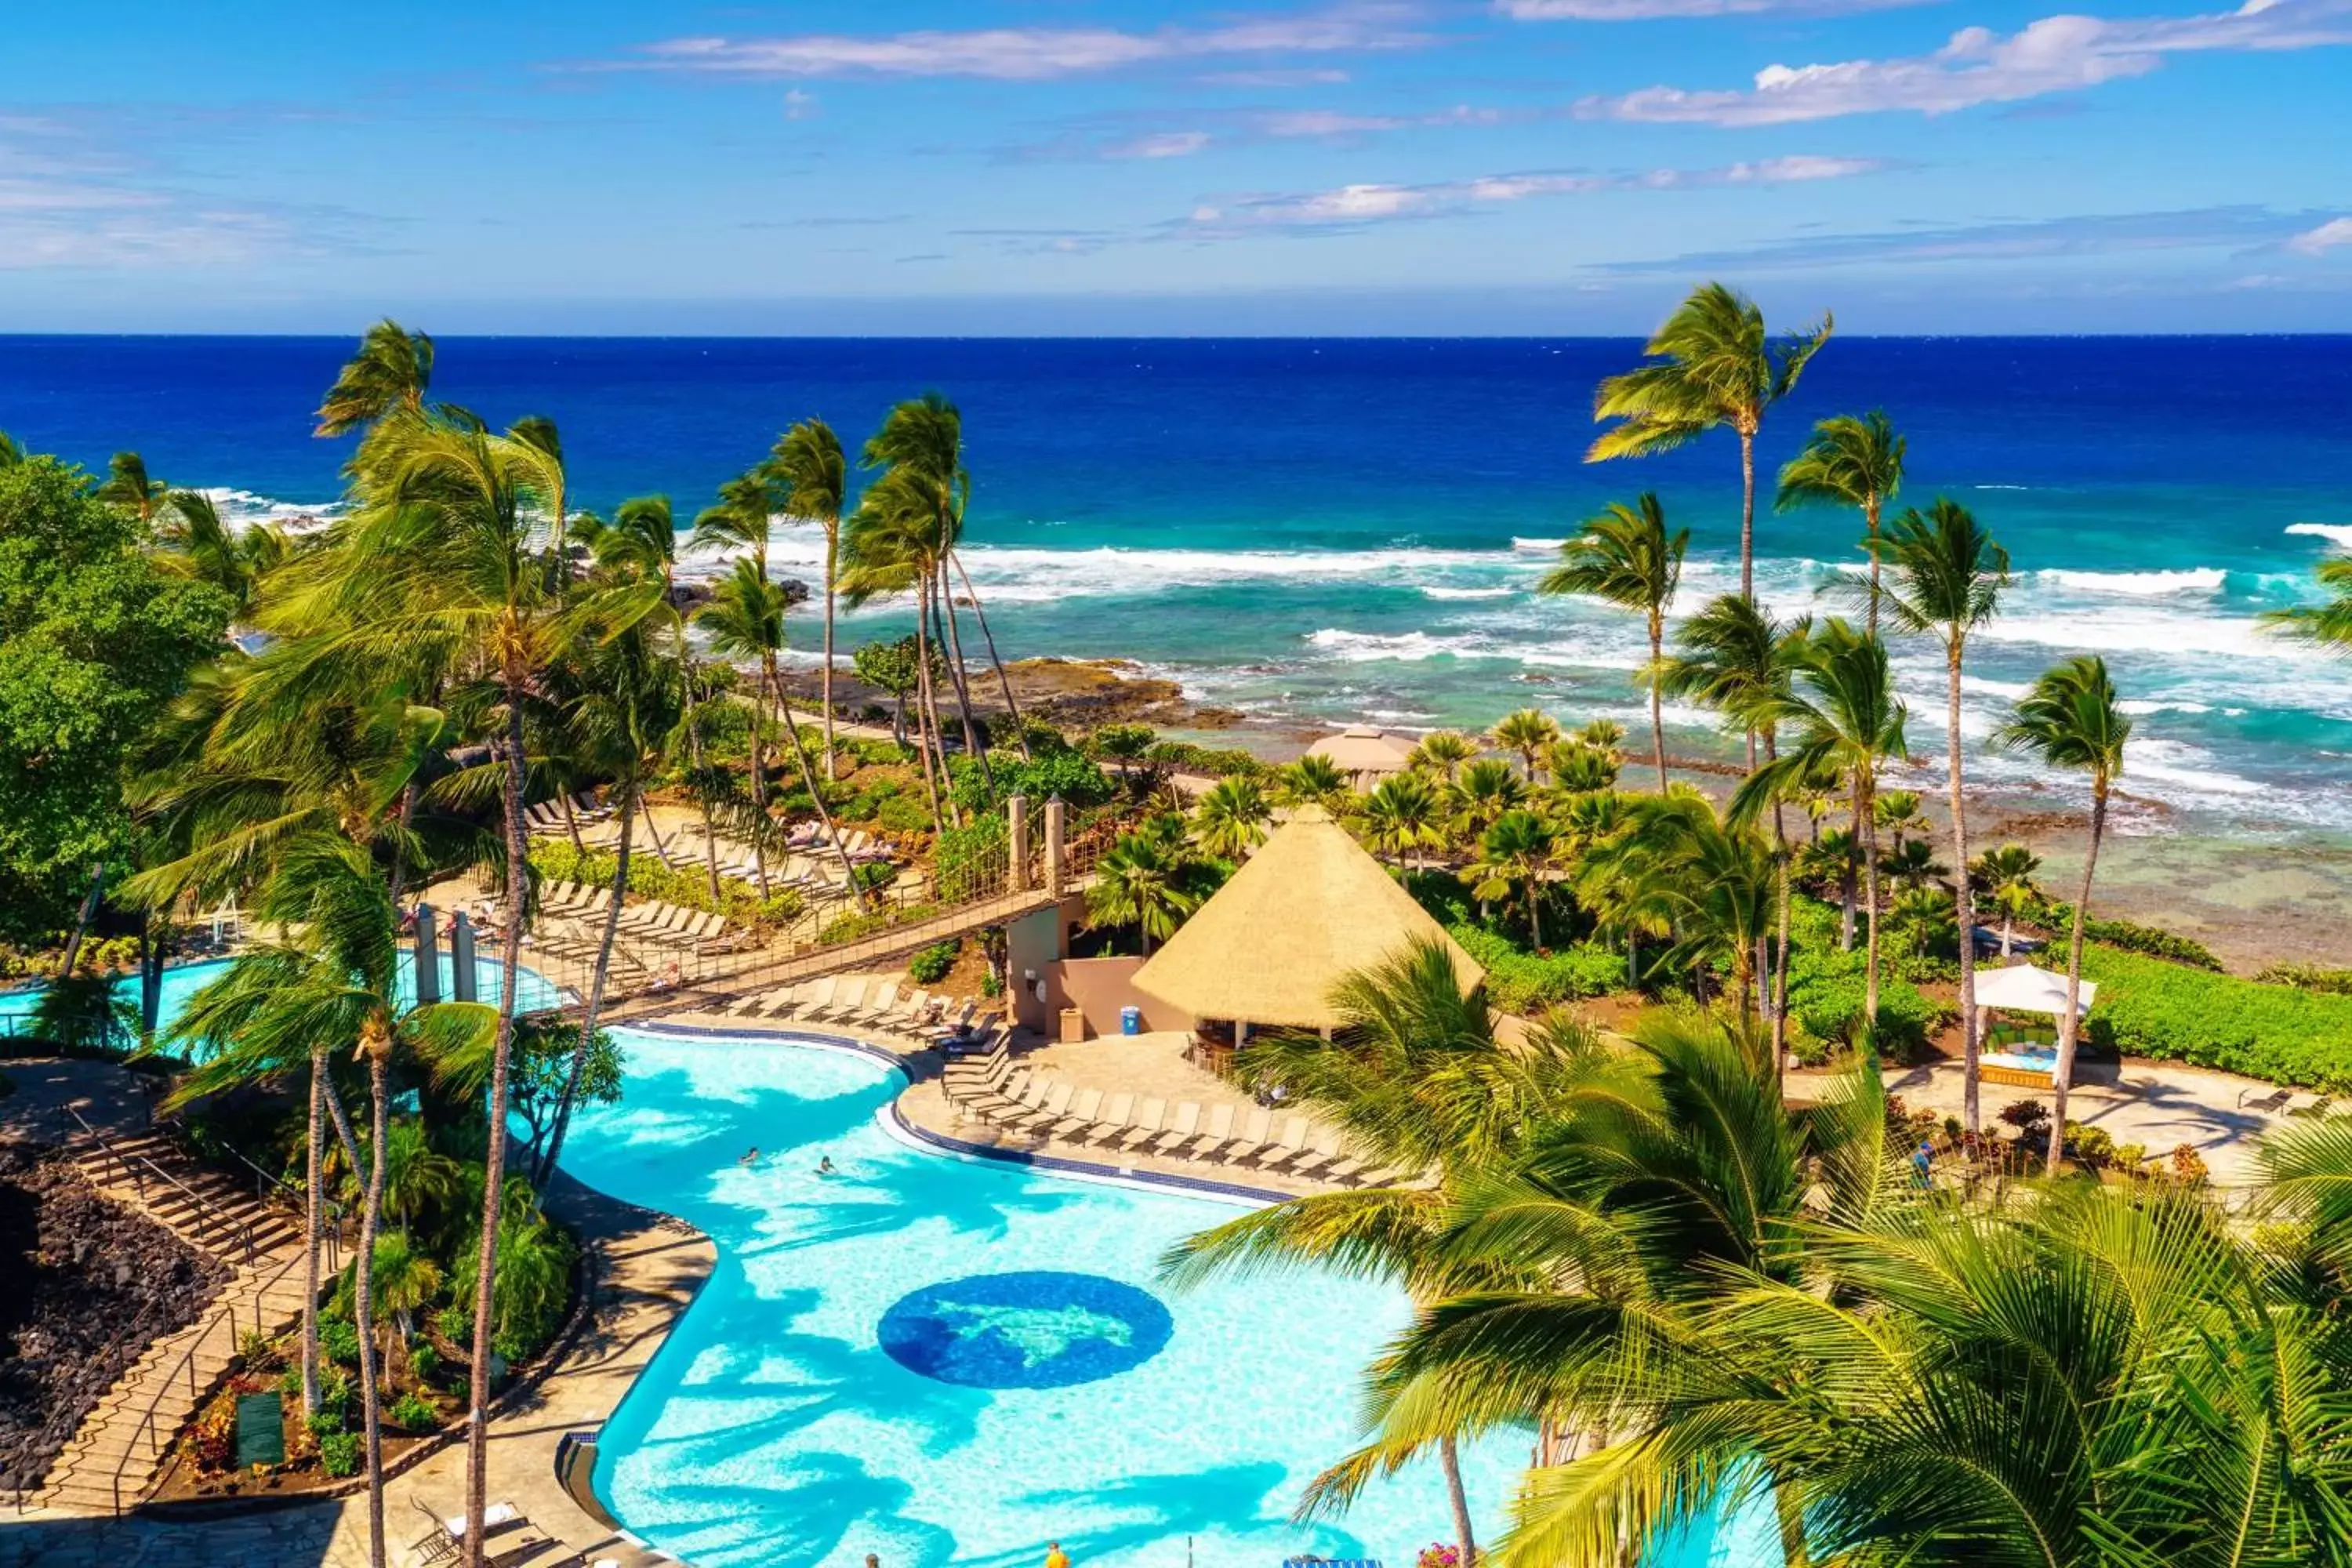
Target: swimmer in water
751, 1155
825, 1165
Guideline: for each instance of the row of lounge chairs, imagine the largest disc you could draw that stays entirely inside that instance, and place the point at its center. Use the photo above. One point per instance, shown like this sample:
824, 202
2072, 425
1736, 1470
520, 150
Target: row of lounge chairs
577, 912
860, 1002
547, 819
994, 1089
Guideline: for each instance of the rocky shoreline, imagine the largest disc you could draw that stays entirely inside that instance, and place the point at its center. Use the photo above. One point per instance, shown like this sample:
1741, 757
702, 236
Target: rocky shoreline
90, 1285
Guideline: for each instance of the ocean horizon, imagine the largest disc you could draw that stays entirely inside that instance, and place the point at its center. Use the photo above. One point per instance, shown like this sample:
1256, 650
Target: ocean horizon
1314, 529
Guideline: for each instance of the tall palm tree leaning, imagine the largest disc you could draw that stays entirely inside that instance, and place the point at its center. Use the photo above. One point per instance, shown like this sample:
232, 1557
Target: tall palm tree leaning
815, 473
129, 486
1841, 712
1625, 557
1712, 363
1947, 579
2071, 719
1419, 1086
1849, 460
446, 562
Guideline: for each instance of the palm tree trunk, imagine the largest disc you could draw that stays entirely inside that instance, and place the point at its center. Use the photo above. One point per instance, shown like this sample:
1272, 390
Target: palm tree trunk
694, 760
972, 737
808, 778
1847, 893
1748, 515
2008, 931
571, 826
1657, 715
494, 1157
824, 677
596, 982
1965, 896
1775, 980
364, 1309
1012, 709
313, 1223
927, 715
1870, 504
1457, 1499
759, 789
1865, 818
81, 921
2069, 1021
398, 879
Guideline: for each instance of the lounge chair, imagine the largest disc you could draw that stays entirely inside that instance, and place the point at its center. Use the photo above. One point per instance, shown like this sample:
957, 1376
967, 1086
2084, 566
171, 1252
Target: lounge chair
1288, 1146
1214, 1136
1051, 1108
988, 1069
1007, 1096
814, 994
2267, 1104
1181, 1130
1319, 1151
1113, 1121
849, 998
906, 1015
1341, 1166
878, 1006
1256, 1127
1148, 1119
1083, 1111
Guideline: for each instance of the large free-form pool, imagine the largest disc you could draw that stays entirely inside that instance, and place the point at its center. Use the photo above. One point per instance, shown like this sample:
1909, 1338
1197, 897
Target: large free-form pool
942, 1360
181, 980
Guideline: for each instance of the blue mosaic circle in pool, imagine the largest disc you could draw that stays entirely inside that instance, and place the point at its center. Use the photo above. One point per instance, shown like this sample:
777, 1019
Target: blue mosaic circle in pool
1036, 1328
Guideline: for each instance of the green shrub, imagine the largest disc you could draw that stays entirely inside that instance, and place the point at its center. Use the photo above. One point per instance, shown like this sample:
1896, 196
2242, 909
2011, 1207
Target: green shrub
338, 1341
2309, 977
425, 1361
556, 861
931, 965
455, 1322
1527, 983
971, 860
1079, 780
414, 1413
1223, 763
324, 1422
338, 1454
2148, 1008
903, 814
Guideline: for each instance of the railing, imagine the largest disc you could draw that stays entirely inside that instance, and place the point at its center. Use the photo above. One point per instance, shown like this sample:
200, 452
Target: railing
267, 1181
139, 1167
144, 1444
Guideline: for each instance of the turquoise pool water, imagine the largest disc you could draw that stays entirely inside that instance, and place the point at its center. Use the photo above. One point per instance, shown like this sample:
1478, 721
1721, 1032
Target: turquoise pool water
182, 981
944, 1361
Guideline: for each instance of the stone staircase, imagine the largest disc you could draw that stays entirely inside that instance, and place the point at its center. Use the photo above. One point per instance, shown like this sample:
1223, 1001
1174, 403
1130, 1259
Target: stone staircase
115, 1455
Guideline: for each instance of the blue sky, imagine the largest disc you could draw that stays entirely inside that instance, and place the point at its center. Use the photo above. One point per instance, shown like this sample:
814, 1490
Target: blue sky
1093, 166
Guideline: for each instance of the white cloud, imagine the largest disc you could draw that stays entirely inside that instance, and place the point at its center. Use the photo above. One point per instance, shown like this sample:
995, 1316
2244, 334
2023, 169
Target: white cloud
1353, 205
800, 105
1031, 53
63, 204
2326, 237
2056, 54
1166, 144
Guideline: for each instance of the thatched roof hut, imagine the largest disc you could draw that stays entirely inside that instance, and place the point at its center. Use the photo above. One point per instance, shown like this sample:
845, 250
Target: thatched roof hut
1364, 753
1308, 908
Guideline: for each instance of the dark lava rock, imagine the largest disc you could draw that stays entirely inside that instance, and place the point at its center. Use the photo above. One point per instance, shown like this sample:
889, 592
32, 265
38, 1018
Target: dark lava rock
90, 1285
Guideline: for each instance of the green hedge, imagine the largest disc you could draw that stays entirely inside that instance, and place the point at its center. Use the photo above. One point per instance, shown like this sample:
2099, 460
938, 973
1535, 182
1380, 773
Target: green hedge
1216, 762
2147, 1007
557, 862
1528, 982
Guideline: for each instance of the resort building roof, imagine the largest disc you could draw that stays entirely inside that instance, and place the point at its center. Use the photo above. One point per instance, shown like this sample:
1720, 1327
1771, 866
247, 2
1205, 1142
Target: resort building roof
1309, 908
1362, 750
2024, 988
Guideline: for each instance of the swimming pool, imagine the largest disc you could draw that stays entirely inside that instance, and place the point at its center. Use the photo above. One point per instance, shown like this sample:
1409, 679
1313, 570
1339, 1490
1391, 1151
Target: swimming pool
944, 1361
182, 981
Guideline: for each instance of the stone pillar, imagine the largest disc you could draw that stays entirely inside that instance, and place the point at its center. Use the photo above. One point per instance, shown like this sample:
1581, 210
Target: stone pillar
1055, 813
428, 956
1016, 837
461, 958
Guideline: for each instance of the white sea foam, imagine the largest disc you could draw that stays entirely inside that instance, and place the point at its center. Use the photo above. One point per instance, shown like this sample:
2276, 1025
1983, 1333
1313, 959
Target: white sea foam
2139, 707
2138, 584
2338, 534
1535, 546
2179, 765
243, 508
1436, 591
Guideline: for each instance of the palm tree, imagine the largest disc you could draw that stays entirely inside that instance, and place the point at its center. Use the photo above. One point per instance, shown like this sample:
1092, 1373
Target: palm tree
1898, 811
1400, 815
1947, 579
1416, 1082
198, 544
1516, 852
391, 371
129, 487
1842, 712
1712, 363
12, 451
1606, 733
1835, 857
1530, 731
330, 978
2005, 876
1849, 460
1312, 779
1732, 658
1578, 767
1140, 881
1484, 789
1912, 865
405, 1279
2071, 719
1442, 752
1712, 882
816, 486
1229, 819
1624, 557
893, 548
445, 565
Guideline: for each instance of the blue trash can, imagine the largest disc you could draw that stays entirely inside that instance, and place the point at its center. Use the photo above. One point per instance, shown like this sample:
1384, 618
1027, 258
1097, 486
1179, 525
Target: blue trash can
1130, 1020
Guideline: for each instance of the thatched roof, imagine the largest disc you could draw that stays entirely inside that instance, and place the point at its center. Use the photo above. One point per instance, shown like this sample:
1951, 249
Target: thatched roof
1308, 908
1361, 749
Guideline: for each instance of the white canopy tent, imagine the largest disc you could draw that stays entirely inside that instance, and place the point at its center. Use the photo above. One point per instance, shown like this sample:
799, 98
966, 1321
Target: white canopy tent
2027, 988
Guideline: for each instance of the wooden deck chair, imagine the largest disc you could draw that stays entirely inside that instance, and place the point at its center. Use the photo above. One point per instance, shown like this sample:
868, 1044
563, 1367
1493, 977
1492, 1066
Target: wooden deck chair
1181, 1130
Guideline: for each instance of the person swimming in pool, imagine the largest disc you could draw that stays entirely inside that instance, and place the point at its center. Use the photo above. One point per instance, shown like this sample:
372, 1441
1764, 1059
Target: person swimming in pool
751, 1156
825, 1165
1055, 1556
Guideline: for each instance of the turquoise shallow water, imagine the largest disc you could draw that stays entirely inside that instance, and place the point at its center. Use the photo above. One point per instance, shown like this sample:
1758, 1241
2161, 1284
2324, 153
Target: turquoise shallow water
950, 1362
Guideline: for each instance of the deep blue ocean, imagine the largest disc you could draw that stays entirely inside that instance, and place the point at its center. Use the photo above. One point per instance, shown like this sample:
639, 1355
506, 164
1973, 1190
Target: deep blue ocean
1348, 528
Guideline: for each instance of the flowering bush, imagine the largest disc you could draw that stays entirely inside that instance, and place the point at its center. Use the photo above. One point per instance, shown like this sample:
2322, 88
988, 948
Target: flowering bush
1437, 1555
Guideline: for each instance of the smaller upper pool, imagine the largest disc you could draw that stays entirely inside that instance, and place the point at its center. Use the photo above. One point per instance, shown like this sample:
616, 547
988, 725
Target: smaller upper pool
182, 981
